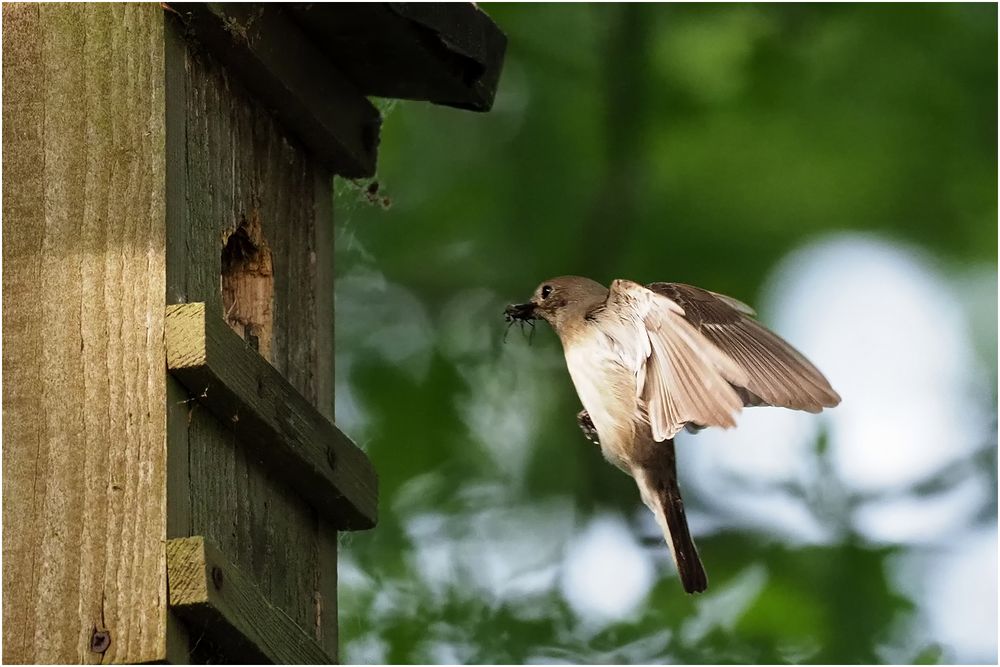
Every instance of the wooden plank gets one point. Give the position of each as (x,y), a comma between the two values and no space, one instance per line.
(217,599)
(324,291)
(446,53)
(239,162)
(290,75)
(178,650)
(178,403)
(326,573)
(262,408)
(83,283)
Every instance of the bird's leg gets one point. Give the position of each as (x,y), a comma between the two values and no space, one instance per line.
(587,426)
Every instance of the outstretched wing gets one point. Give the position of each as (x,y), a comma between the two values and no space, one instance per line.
(776,373)
(681,376)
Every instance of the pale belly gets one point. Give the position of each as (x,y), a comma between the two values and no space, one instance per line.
(608,393)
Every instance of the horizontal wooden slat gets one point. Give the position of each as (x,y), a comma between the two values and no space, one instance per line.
(288,434)
(214,597)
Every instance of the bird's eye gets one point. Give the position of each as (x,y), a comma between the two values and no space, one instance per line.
(546,291)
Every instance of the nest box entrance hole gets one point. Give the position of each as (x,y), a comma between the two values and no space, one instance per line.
(248,283)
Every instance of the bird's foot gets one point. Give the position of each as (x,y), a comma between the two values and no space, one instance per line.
(587,426)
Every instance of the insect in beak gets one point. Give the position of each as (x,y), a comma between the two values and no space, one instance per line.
(520,313)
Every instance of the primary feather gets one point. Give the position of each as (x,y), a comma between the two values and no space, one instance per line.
(776,373)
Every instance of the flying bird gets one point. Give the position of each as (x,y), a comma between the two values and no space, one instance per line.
(648,361)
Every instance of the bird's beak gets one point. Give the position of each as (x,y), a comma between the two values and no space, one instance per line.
(519,312)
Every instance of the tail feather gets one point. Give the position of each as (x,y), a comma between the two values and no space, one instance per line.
(689,566)
(660,492)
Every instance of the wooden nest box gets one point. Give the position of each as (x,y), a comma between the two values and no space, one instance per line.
(173,478)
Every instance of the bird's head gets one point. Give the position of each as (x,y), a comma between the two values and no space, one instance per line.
(558,301)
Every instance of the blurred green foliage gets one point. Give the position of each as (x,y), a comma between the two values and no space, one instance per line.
(696,143)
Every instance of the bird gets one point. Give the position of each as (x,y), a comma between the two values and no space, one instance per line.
(648,361)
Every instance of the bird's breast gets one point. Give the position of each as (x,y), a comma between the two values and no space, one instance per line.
(608,392)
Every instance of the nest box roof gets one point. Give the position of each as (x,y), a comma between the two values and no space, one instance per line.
(313,64)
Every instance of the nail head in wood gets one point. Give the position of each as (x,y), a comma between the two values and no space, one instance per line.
(217,577)
(100,641)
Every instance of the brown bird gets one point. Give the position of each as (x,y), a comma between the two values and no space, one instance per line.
(649,361)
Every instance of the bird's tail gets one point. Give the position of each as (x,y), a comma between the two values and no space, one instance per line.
(658,486)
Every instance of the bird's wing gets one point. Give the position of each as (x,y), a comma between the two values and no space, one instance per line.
(681,376)
(777,374)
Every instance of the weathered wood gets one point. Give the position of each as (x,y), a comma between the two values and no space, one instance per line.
(117,127)
(446,53)
(224,604)
(178,407)
(178,483)
(326,568)
(288,73)
(83,283)
(238,161)
(252,398)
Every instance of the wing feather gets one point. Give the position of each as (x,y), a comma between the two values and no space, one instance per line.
(684,377)
(776,373)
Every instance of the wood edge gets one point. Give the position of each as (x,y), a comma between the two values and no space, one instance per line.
(455,24)
(184,334)
(217,594)
(327,630)
(463,49)
(187,583)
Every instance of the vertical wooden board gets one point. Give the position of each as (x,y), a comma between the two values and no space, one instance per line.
(84,382)
(23,230)
(322,258)
(327,630)
(179,404)
(295,278)
(240,163)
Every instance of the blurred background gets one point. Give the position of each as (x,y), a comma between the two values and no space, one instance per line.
(834,166)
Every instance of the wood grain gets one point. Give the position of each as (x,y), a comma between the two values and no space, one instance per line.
(224,604)
(280,428)
(289,73)
(83,284)
(327,610)
(237,160)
